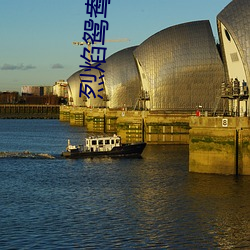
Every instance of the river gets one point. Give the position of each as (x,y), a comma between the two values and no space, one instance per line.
(48,202)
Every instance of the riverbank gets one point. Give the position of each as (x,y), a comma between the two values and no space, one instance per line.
(24,111)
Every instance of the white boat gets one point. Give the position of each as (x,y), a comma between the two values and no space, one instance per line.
(103,146)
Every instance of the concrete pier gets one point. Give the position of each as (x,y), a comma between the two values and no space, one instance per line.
(64,114)
(132,126)
(219,145)
(167,129)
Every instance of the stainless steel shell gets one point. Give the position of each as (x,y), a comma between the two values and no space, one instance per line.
(178,67)
(181,67)
(122,79)
(96,98)
(236,18)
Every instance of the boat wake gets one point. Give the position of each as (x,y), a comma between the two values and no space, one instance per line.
(26,154)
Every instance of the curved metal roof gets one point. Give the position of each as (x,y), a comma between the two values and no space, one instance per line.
(236,18)
(92,78)
(122,80)
(180,67)
(73,89)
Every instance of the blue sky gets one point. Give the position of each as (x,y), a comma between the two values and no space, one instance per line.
(36,35)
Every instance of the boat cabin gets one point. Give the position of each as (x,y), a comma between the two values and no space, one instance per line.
(105,143)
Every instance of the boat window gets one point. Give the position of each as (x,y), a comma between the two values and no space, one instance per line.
(100,142)
(117,141)
(107,142)
(94,142)
(112,141)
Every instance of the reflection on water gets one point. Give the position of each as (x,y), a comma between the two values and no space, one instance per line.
(148,203)
(224,201)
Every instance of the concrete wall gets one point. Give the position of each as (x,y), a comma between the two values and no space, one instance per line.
(219,145)
(216,145)
(64,114)
(244,151)
(132,126)
(167,129)
(20,111)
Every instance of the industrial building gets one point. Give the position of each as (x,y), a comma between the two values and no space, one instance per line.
(178,69)
(88,100)
(40,95)
(60,89)
(9,97)
(73,90)
(234,33)
(122,79)
(37,90)
(121,83)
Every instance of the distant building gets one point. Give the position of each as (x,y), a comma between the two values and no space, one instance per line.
(47,90)
(9,97)
(37,90)
(41,100)
(39,95)
(60,89)
(30,90)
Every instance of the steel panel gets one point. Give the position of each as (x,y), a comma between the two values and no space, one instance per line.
(122,80)
(236,18)
(74,89)
(182,67)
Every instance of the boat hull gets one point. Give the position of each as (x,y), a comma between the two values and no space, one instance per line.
(126,150)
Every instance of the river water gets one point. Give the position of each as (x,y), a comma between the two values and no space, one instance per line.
(149,203)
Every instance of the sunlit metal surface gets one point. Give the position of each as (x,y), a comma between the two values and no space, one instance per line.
(180,67)
(122,80)
(74,89)
(236,18)
(234,33)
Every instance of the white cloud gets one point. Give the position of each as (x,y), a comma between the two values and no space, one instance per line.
(57,66)
(21,66)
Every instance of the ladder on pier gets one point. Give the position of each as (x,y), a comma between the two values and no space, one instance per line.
(217,101)
(142,98)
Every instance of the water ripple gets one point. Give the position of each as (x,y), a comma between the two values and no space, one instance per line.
(148,203)
(26,154)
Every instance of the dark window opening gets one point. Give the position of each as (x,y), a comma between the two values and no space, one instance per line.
(227,35)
